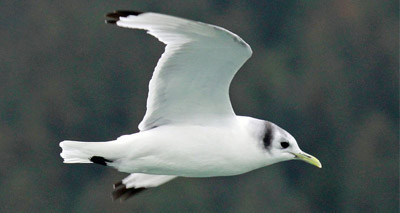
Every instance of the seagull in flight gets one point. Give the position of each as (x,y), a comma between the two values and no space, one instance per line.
(190,128)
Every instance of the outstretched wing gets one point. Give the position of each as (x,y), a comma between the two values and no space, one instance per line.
(191,80)
(136,183)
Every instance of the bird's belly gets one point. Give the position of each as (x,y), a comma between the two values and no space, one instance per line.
(186,166)
(190,153)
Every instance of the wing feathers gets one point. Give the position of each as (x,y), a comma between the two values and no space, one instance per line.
(191,80)
(135,183)
(122,13)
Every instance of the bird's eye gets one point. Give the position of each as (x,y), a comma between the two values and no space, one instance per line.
(285,144)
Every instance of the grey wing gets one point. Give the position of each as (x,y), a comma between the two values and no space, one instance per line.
(191,80)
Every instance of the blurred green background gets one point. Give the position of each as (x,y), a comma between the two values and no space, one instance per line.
(326,71)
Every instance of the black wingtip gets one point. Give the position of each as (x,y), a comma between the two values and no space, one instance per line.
(111,21)
(126,13)
(122,193)
(120,13)
(117,184)
(100,160)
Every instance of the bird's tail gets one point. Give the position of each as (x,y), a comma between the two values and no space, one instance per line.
(90,152)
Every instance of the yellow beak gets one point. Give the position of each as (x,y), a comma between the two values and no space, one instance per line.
(308,158)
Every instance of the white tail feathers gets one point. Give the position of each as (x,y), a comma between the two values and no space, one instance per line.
(82,152)
(72,152)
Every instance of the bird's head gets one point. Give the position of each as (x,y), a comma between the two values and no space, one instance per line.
(281,146)
(275,143)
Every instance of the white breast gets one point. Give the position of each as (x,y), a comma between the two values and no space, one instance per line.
(193,151)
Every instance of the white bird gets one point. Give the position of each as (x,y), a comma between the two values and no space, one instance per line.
(190,128)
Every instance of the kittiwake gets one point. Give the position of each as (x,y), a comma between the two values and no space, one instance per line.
(190,128)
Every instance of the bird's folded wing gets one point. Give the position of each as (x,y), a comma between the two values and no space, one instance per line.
(191,80)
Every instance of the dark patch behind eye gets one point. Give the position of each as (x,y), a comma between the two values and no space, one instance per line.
(268,136)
